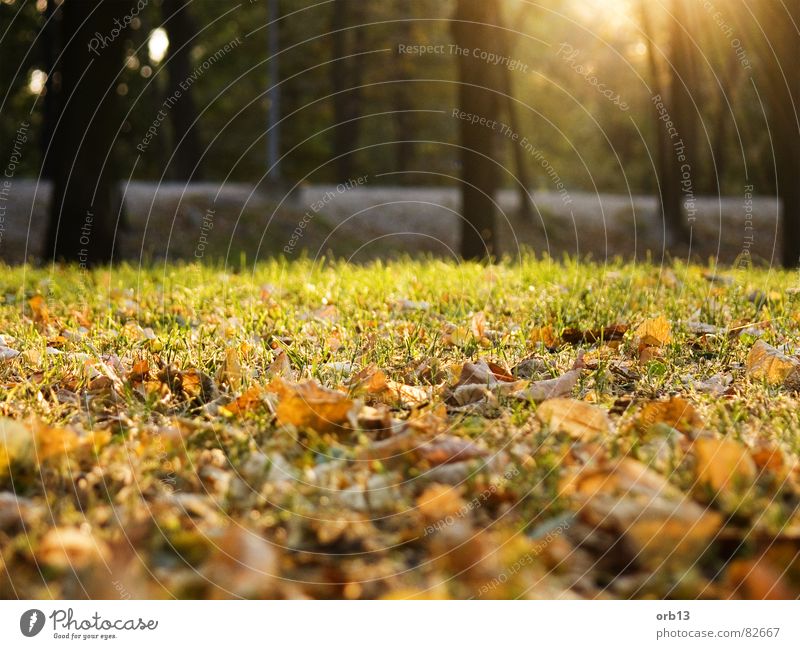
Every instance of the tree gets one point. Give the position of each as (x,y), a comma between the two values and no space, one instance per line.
(182,30)
(85,199)
(520,162)
(780,54)
(346,76)
(667,166)
(473,28)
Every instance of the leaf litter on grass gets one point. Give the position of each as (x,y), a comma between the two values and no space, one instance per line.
(404,429)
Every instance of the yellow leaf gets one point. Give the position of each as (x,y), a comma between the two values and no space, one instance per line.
(654,332)
(440,501)
(545,335)
(677,412)
(309,405)
(69,547)
(765,363)
(231,372)
(723,463)
(576,418)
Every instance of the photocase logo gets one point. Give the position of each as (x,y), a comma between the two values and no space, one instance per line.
(31,622)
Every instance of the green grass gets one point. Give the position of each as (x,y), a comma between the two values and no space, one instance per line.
(172,494)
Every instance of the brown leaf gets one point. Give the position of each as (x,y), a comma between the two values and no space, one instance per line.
(561,386)
(574,336)
(243,565)
(654,332)
(545,335)
(440,501)
(657,521)
(723,463)
(676,412)
(758,579)
(575,418)
(309,405)
(248,401)
(69,547)
(41,315)
(448,448)
(381,388)
(281,367)
(765,363)
(230,372)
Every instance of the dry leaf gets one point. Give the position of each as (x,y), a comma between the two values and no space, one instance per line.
(576,418)
(658,522)
(654,332)
(561,386)
(545,335)
(723,464)
(230,372)
(243,565)
(440,501)
(448,448)
(676,412)
(758,579)
(38,306)
(613,332)
(309,405)
(248,401)
(765,363)
(69,547)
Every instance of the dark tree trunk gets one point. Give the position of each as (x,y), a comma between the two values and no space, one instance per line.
(49,41)
(478,96)
(726,97)
(667,167)
(785,108)
(182,30)
(683,86)
(778,52)
(346,75)
(520,162)
(403,102)
(85,203)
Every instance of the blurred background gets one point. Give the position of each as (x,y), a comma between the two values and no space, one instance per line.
(220,130)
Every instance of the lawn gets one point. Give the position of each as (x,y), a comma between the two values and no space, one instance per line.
(318,429)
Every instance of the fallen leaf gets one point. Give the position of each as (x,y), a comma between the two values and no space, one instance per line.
(575,418)
(309,405)
(440,501)
(758,579)
(658,523)
(544,335)
(250,400)
(723,463)
(654,332)
(70,547)
(448,448)
(765,363)
(41,315)
(613,332)
(561,386)
(243,565)
(675,412)
(230,372)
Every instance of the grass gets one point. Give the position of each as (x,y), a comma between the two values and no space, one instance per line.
(156,442)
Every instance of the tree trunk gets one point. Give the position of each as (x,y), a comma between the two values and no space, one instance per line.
(785,107)
(668,178)
(85,202)
(403,102)
(49,43)
(472,28)
(346,75)
(182,30)
(520,162)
